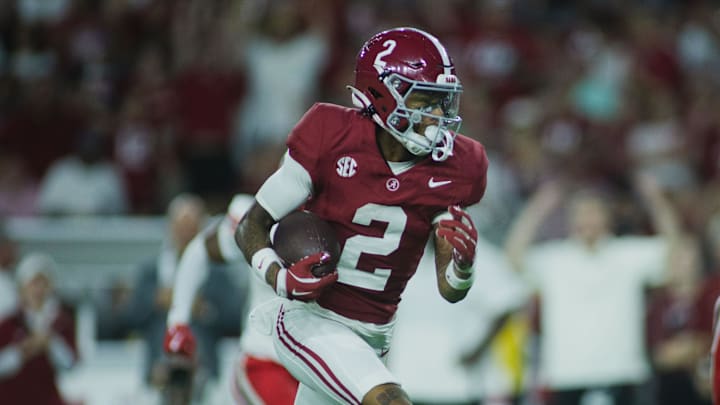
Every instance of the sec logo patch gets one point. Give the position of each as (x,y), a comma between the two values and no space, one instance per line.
(346,166)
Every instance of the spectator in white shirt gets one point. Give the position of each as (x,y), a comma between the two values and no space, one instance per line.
(84,183)
(441,376)
(591,286)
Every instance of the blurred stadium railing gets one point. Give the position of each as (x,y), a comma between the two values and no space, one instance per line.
(90,251)
(91,254)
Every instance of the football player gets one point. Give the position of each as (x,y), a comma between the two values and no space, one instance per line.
(388,175)
(259,378)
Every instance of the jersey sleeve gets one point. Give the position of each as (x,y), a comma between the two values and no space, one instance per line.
(306,140)
(479,168)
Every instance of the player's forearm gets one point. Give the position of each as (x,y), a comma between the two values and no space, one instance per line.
(253,231)
(443,264)
(192,272)
(253,234)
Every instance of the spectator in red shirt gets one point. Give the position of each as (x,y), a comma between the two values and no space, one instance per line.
(680,318)
(37,340)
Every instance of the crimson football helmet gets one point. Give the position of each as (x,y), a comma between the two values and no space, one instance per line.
(392,65)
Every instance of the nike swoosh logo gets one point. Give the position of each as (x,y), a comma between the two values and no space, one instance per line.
(300,293)
(432,183)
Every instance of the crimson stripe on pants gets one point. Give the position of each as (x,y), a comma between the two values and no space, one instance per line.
(283,334)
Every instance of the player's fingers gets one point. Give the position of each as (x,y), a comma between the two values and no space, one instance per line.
(460,215)
(467,230)
(458,239)
(442,232)
(445,233)
(330,277)
(462,246)
(455,211)
(458,226)
(314,259)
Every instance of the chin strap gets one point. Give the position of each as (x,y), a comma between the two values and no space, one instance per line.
(444,148)
(361,101)
(358,98)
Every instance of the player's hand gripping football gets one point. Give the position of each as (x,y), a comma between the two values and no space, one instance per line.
(460,232)
(298,282)
(179,340)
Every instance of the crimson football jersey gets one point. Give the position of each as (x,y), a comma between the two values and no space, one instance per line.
(382,220)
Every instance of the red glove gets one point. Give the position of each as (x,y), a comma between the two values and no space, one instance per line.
(179,339)
(460,232)
(298,282)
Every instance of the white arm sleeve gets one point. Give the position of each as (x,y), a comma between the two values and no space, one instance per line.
(10,361)
(8,295)
(288,188)
(226,230)
(61,354)
(191,274)
(226,239)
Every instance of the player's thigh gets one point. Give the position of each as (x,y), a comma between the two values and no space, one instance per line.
(327,356)
(263,382)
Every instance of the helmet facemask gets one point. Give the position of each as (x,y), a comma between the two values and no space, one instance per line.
(437,138)
(392,69)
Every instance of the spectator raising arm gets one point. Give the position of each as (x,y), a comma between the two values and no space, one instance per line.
(663,216)
(523,231)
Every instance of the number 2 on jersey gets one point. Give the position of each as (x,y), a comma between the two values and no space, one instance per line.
(383,245)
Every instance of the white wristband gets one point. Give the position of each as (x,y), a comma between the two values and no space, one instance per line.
(262,259)
(281,283)
(456,282)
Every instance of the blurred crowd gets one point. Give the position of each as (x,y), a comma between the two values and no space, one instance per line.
(130,102)
(117,106)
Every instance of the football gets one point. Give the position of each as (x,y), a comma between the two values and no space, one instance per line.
(302,233)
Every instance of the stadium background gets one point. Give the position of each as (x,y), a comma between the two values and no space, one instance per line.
(185,96)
